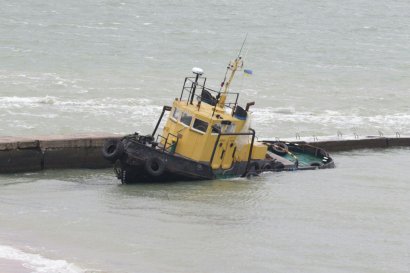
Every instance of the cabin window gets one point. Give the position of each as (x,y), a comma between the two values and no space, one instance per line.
(200,125)
(186,118)
(176,115)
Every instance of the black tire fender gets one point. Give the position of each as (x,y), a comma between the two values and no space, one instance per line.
(155,166)
(252,170)
(251,174)
(279,148)
(279,166)
(113,149)
(253,167)
(267,167)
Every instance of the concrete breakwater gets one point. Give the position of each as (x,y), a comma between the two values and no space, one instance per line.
(23,154)
(340,145)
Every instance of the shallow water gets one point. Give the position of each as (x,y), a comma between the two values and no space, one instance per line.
(319,68)
(350,219)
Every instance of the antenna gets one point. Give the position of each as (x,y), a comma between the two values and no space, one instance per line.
(240,51)
(233,67)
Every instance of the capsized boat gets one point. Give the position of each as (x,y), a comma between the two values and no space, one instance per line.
(207,135)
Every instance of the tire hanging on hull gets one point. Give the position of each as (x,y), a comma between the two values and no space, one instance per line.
(112,150)
(155,166)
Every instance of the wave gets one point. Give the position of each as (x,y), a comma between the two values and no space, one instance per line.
(15,101)
(38,263)
(142,112)
(266,120)
(263,115)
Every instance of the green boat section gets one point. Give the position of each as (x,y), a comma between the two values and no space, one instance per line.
(305,159)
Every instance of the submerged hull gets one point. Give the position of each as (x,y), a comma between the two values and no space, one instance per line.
(138,158)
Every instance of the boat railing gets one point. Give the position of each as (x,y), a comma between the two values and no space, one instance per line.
(191,86)
(171,145)
(165,108)
(250,133)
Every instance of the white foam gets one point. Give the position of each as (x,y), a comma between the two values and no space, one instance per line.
(38,263)
(25,101)
(14,101)
(268,114)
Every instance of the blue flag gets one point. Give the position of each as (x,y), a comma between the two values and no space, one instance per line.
(248,71)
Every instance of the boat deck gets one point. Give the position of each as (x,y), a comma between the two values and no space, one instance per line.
(287,163)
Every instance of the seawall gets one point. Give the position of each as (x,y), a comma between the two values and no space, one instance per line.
(340,145)
(23,154)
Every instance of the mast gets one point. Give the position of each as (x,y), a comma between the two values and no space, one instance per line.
(233,67)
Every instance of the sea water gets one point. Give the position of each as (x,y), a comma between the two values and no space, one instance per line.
(350,219)
(319,68)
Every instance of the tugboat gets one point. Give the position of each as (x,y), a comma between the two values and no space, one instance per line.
(207,135)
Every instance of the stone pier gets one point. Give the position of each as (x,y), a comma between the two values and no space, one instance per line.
(24,154)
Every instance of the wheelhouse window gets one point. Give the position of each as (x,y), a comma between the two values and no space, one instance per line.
(186,118)
(200,125)
(176,115)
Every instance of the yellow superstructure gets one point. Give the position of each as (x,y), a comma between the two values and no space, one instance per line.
(207,132)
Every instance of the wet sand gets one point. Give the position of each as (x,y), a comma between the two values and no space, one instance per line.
(12,266)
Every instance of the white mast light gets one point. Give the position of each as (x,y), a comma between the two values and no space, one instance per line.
(197,70)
